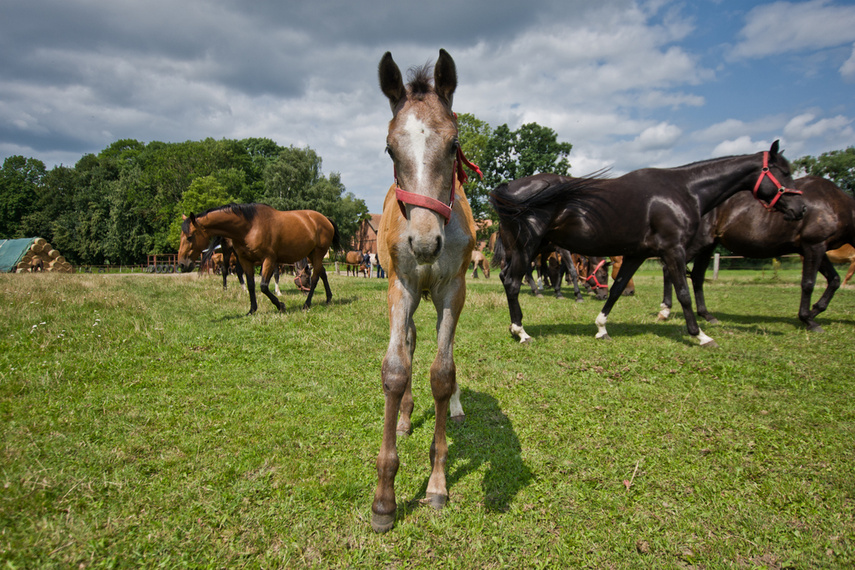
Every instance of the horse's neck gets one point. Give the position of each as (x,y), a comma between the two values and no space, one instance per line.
(716,181)
(225,224)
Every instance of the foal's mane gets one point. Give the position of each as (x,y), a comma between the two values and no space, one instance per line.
(420,80)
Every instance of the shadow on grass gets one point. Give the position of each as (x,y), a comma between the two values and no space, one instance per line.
(268,306)
(487,437)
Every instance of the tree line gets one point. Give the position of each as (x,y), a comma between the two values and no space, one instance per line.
(127,201)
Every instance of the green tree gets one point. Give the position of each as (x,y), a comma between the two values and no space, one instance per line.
(837,166)
(475,136)
(20,179)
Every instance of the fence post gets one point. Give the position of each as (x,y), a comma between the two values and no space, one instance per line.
(716,260)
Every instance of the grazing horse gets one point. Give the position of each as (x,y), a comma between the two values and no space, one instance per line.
(425,242)
(645,213)
(479,261)
(355,261)
(845,254)
(191,250)
(746,229)
(263,235)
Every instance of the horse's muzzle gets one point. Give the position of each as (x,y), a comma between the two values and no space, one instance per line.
(792,215)
(187,267)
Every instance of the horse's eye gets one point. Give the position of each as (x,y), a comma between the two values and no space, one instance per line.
(389,152)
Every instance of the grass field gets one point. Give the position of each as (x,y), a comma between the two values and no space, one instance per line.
(146,422)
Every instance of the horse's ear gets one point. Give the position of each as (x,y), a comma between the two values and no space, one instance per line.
(391,82)
(183,217)
(773,152)
(445,77)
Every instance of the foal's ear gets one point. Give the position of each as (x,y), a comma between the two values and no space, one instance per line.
(773,152)
(445,77)
(391,82)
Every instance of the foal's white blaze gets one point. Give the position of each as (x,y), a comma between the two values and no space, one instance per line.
(601,325)
(418,133)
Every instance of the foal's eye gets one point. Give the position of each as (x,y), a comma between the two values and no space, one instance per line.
(389,152)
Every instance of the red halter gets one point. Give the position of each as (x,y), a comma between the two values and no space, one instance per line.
(422,201)
(781,189)
(593,277)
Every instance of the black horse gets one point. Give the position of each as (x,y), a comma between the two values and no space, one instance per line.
(744,228)
(646,213)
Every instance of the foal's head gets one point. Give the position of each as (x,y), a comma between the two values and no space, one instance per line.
(422,142)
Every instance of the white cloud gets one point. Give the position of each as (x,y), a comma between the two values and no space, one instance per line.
(807,126)
(847,70)
(781,27)
(741,145)
(660,136)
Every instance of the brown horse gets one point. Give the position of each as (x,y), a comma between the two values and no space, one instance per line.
(845,254)
(263,235)
(425,243)
(355,261)
(745,228)
(479,261)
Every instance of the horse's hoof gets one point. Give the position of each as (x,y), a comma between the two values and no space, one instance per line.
(580,300)
(459,419)
(559,296)
(382,523)
(712,320)
(710,344)
(604,337)
(816,329)
(525,340)
(435,500)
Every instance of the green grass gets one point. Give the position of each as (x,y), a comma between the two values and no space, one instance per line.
(146,422)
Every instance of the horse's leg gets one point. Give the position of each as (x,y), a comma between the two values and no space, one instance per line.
(318,272)
(628,268)
(396,374)
(811,265)
(574,279)
(850,273)
(276,280)
(699,272)
(675,264)
(323,274)
(267,269)
(443,383)
(249,271)
(667,299)
(511,277)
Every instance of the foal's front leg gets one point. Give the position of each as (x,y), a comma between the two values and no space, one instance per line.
(396,374)
(443,383)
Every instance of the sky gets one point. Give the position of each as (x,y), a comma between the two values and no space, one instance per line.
(629,83)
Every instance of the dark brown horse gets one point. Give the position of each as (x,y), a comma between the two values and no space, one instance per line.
(263,235)
(747,229)
(646,213)
(425,242)
(191,250)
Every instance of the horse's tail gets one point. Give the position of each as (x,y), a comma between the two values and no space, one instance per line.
(336,240)
(498,252)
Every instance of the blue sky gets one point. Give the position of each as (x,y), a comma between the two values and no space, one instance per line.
(629,83)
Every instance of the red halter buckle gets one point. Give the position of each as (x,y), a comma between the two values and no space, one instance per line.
(781,189)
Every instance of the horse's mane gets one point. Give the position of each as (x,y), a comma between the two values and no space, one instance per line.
(420,80)
(246,211)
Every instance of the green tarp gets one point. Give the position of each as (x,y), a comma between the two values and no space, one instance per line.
(11,252)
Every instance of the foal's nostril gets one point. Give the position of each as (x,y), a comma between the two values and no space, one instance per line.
(438,245)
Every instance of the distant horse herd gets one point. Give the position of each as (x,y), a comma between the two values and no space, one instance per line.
(565,228)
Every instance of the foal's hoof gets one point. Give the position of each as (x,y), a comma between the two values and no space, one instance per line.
(435,500)
(604,337)
(382,523)
(459,420)
(710,344)
(816,328)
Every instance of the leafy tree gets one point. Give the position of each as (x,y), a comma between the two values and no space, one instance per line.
(19,183)
(475,136)
(837,166)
